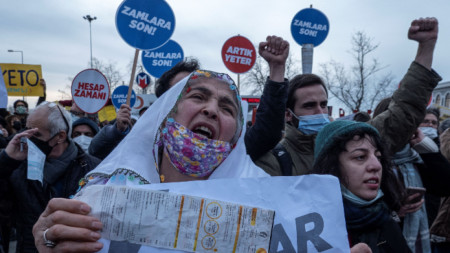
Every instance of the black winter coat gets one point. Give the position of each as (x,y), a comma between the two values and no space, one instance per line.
(30,197)
(386,238)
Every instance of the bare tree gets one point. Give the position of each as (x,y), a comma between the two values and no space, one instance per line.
(110,70)
(112,74)
(256,77)
(65,94)
(361,87)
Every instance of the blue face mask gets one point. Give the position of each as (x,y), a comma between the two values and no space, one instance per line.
(311,124)
(429,132)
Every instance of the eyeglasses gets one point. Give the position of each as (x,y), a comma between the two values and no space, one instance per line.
(432,122)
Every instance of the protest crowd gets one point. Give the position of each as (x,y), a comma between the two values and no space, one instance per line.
(197,130)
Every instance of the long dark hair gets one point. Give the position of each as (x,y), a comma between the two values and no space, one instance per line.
(328,163)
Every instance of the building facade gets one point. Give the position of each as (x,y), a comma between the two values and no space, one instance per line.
(441,99)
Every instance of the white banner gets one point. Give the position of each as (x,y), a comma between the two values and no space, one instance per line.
(309,214)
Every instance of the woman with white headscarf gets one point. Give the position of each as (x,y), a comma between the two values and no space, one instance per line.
(193,132)
(185,136)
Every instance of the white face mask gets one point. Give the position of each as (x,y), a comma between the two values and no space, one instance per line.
(84,142)
(429,132)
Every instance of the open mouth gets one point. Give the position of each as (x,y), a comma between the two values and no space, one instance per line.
(371,181)
(203,131)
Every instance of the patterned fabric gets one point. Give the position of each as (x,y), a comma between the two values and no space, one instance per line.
(192,154)
(415,225)
(136,159)
(119,177)
(223,78)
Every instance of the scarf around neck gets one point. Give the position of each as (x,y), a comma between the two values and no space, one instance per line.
(362,214)
(415,225)
(406,155)
(54,168)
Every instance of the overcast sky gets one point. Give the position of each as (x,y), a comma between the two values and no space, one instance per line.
(54,34)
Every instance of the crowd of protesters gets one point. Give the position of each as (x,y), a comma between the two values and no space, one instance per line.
(383,162)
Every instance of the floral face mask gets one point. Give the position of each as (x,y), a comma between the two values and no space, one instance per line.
(190,153)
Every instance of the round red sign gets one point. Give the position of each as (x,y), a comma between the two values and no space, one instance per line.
(238,54)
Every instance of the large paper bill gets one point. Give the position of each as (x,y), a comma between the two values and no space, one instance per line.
(177,221)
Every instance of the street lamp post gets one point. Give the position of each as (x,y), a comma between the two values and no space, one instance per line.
(90,19)
(21,54)
(16,51)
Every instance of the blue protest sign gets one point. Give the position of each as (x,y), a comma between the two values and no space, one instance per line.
(310,26)
(119,96)
(143,80)
(158,61)
(145,24)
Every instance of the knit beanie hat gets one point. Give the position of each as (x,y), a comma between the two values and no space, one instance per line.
(86,121)
(327,136)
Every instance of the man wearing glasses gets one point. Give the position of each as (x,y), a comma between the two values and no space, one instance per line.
(49,128)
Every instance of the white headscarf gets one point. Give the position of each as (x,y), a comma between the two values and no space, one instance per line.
(134,155)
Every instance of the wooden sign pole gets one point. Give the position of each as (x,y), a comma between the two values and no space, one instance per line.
(133,71)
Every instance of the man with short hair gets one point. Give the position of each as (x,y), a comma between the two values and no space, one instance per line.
(306,109)
(175,74)
(49,128)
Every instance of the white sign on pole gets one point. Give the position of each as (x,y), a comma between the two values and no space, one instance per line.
(90,90)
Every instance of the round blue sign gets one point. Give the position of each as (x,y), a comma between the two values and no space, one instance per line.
(158,61)
(119,96)
(145,24)
(310,26)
